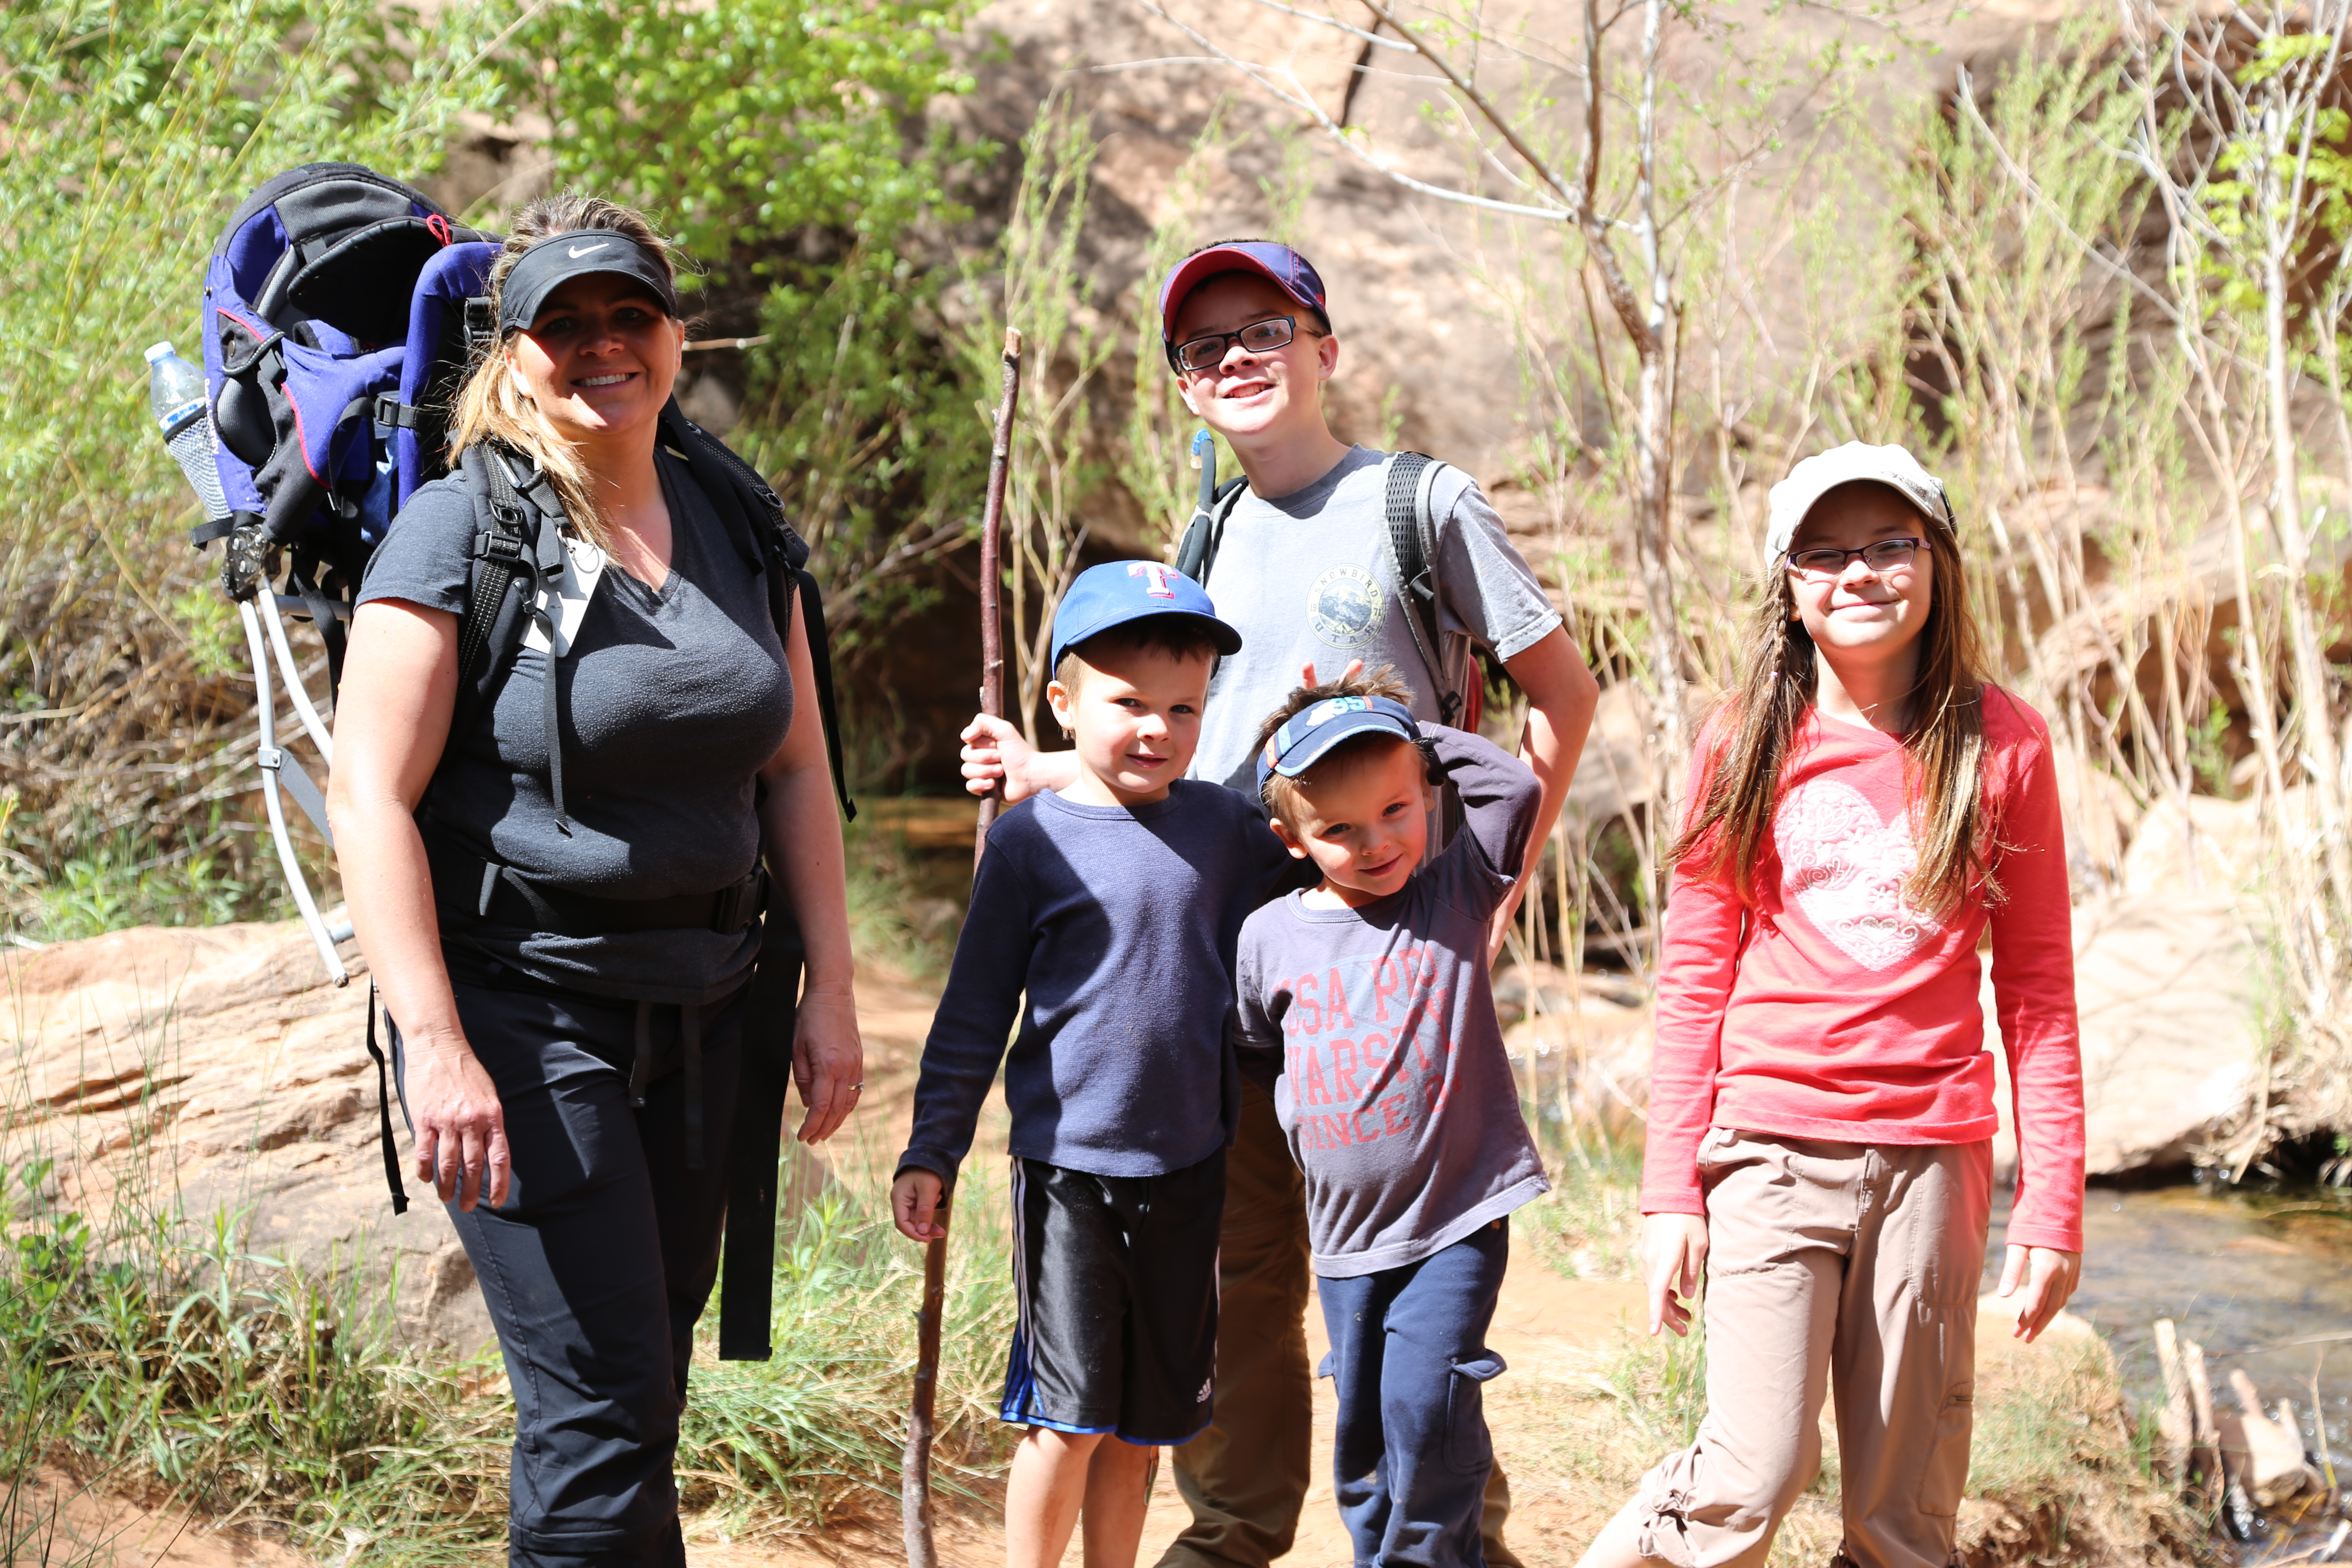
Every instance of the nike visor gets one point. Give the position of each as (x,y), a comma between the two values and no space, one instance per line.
(563,257)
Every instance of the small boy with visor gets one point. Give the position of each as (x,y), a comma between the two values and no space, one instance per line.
(1396,1097)
(1114,903)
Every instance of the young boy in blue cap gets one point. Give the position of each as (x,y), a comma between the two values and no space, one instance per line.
(1373,991)
(1114,902)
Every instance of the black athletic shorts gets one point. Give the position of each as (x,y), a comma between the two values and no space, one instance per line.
(1116,1285)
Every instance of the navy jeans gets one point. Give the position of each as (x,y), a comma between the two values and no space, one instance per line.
(1410,1360)
(601,1261)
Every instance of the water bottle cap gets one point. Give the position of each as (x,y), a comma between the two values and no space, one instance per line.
(159,351)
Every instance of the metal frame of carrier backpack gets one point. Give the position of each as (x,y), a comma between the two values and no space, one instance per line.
(1409,480)
(335,310)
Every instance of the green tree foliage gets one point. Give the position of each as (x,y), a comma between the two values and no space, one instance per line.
(747,121)
(867,431)
(778,142)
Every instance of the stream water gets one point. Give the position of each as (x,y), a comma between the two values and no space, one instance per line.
(2262,1279)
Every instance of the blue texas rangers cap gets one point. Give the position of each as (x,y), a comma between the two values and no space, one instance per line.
(1118,591)
(1307,735)
(1276,262)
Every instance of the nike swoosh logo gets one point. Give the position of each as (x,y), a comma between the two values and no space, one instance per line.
(577,251)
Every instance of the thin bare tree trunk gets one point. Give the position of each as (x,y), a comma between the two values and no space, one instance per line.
(2314,725)
(1653,441)
(915,1464)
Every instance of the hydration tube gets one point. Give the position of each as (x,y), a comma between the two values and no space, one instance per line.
(1204,458)
(272,759)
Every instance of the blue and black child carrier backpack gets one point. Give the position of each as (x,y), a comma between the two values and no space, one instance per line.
(343,312)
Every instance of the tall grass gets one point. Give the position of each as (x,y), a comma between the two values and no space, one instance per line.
(147,1353)
(1989,285)
(814,1436)
(153,1353)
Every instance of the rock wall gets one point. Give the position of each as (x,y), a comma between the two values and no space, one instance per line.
(217,1069)
(211,1070)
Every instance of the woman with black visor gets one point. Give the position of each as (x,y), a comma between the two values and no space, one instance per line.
(564,934)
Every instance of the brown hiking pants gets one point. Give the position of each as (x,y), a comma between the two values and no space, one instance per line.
(1245,1477)
(1847,1264)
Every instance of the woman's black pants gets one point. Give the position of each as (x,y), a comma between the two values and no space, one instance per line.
(602,1256)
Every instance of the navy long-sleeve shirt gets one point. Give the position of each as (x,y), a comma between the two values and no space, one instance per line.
(1119,924)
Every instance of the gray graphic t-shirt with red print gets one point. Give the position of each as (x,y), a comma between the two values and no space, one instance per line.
(1395,1093)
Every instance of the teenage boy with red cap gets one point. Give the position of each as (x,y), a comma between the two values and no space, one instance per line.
(1305,571)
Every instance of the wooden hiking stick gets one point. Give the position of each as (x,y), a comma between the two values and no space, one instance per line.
(915,1469)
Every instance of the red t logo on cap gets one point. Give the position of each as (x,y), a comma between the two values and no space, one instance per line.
(1159,575)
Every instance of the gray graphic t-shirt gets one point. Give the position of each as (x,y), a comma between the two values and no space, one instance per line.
(1395,1093)
(1307,576)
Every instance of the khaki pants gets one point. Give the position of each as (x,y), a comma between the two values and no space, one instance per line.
(1857,1265)
(1245,1477)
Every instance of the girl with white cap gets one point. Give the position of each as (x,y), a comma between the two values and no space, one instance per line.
(1864,809)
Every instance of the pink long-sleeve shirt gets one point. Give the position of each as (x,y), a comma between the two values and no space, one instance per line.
(1833,1008)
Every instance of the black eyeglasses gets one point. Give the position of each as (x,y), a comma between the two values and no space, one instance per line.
(1259,337)
(1885,555)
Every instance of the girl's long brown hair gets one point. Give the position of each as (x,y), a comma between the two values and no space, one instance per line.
(1730,822)
(491,407)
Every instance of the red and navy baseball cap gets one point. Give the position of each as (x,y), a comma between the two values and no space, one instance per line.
(1118,591)
(1276,262)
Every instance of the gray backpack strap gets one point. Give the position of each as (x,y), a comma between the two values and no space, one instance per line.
(1413,554)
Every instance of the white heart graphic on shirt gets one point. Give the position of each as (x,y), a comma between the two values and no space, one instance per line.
(1846,870)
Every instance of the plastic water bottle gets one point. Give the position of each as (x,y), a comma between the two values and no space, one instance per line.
(175,390)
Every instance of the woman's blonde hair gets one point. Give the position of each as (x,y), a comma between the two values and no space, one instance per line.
(491,407)
(1944,750)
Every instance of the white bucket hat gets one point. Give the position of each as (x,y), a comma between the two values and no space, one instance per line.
(1817,475)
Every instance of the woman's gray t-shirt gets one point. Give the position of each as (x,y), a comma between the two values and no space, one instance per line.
(672,702)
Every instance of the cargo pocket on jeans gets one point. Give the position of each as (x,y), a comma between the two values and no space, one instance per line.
(1469,1448)
(1946,1475)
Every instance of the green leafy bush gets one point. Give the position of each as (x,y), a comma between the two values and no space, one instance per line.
(778,142)
(784,159)
(747,121)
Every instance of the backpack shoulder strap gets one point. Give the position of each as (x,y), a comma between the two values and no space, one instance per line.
(1198,553)
(1412,552)
(515,538)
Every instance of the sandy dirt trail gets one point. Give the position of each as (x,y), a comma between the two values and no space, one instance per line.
(1543,1324)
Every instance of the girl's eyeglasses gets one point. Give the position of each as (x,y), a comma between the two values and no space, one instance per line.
(1259,337)
(1822,565)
